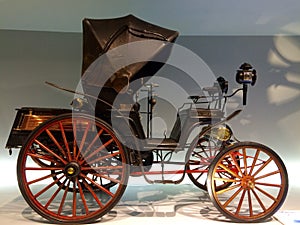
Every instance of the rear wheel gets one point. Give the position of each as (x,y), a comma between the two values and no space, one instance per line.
(72,169)
(201,153)
(259,182)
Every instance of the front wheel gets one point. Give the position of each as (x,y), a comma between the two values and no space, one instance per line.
(259,182)
(72,169)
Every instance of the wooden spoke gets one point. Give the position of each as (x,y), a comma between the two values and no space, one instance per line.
(269,185)
(266,194)
(93,194)
(55,142)
(63,199)
(250,203)
(259,201)
(254,162)
(65,140)
(44,178)
(228,189)
(229,170)
(240,202)
(200,175)
(82,197)
(232,197)
(262,167)
(267,175)
(43,157)
(87,150)
(44,168)
(50,151)
(75,139)
(74,200)
(55,193)
(47,187)
(105,145)
(99,159)
(106,177)
(83,140)
(236,164)
(225,179)
(98,186)
(245,161)
(102,168)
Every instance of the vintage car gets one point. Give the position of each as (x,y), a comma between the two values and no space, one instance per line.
(74,164)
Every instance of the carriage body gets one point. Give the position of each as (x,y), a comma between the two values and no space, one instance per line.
(74,163)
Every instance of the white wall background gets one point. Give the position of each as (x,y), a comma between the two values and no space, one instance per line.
(188,17)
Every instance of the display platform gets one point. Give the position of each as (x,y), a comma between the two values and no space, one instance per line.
(146,204)
(142,203)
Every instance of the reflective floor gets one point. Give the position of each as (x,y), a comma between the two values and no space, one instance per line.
(149,204)
(142,203)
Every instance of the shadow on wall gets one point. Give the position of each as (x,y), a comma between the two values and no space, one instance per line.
(272,114)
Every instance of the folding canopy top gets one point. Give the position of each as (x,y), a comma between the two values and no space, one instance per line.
(102,35)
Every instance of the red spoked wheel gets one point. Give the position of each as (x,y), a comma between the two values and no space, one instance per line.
(72,169)
(201,153)
(259,182)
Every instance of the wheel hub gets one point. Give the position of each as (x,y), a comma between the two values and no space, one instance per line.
(248,182)
(72,169)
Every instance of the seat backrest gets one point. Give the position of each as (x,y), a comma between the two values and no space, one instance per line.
(136,124)
(180,122)
(186,118)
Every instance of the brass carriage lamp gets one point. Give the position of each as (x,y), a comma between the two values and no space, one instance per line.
(246,75)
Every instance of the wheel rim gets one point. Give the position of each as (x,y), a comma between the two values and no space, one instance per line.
(73,168)
(259,182)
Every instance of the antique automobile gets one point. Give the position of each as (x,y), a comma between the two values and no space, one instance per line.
(74,164)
